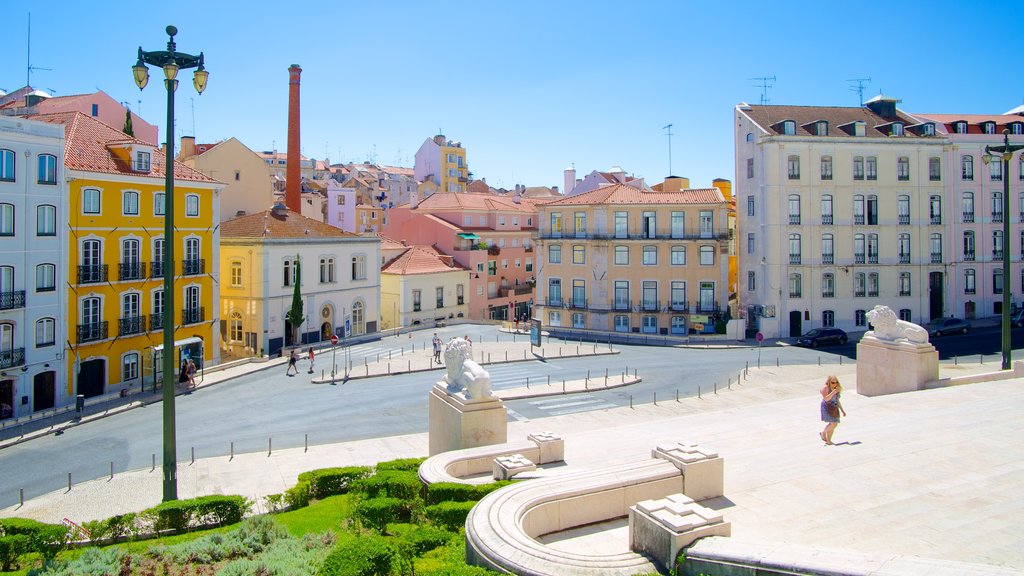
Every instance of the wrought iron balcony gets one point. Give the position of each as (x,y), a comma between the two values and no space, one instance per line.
(904,258)
(858,259)
(968,217)
(904,219)
(678,307)
(794,258)
(969,256)
(576,303)
(621,305)
(826,219)
(92,331)
(873,259)
(156,269)
(11,358)
(193,267)
(936,257)
(131,270)
(707,307)
(936,220)
(828,258)
(794,219)
(997,217)
(997,254)
(828,293)
(131,325)
(859,293)
(796,294)
(193,315)
(156,322)
(649,306)
(858,219)
(12,300)
(92,274)
(904,292)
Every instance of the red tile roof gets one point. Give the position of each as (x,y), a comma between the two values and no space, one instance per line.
(768,117)
(86,149)
(421,260)
(267,224)
(625,194)
(483,202)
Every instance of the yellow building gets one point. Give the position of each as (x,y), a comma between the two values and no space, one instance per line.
(444,162)
(726,188)
(115,257)
(422,287)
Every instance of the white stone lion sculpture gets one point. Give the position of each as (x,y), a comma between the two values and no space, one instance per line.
(889,327)
(465,375)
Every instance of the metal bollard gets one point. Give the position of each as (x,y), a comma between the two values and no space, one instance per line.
(819,360)
(154,463)
(759,362)
(631,401)
(776,361)
(549,379)
(193,456)
(729,384)
(954,360)
(409,368)
(527,382)
(563,386)
(524,354)
(698,392)
(655,398)
(577,350)
(389,368)
(716,387)
(69,481)
(21,497)
(588,374)
(506,355)
(232,457)
(840,360)
(270,446)
(111,470)
(677,394)
(634,373)
(305,443)
(981,359)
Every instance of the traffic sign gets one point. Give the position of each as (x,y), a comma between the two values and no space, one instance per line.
(334,339)
(759,337)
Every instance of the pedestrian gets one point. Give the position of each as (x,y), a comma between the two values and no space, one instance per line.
(437,348)
(310,359)
(830,408)
(183,373)
(466,338)
(191,373)
(293,363)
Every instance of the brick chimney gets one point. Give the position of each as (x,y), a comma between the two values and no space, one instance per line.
(293,174)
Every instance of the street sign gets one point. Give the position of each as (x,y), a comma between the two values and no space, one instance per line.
(334,339)
(759,337)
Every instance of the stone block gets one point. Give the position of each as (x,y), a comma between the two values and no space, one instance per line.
(506,467)
(885,367)
(661,528)
(703,469)
(454,423)
(551,446)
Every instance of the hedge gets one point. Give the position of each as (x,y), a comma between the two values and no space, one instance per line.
(363,555)
(326,482)
(11,548)
(449,515)
(402,464)
(45,539)
(377,512)
(181,515)
(453,492)
(393,483)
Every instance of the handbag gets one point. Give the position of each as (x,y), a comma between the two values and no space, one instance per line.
(832,409)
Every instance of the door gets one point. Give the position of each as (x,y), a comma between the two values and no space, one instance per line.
(43,391)
(6,399)
(935,302)
(92,377)
(795,324)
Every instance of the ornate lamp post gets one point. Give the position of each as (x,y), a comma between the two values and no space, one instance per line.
(1004,152)
(171,61)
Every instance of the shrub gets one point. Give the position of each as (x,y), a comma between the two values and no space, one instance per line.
(363,555)
(376,512)
(403,464)
(11,548)
(394,483)
(180,515)
(93,562)
(273,502)
(448,560)
(422,539)
(449,515)
(45,539)
(326,482)
(297,496)
(454,492)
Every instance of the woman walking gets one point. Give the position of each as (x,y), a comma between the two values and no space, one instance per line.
(830,408)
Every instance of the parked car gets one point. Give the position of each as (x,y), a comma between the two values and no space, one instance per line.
(822,337)
(1017,318)
(951,325)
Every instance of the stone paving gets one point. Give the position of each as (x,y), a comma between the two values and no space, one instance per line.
(930,473)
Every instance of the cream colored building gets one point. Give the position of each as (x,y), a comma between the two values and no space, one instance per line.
(248,188)
(839,209)
(625,259)
(421,287)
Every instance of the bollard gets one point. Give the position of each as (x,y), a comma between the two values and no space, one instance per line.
(527,382)
(111,470)
(305,443)
(232,457)
(524,354)
(677,394)
(322,373)
(154,463)
(577,350)
(954,360)
(634,373)
(559,351)
(193,456)
(698,392)
(389,368)
(981,359)
(389,354)
(623,377)
(409,368)
(776,361)
(21,497)
(270,446)
(840,360)
(563,386)
(746,365)
(729,384)
(738,374)
(69,481)
(655,398)
(759,362)
(819,360)
(549,379)
(716,387)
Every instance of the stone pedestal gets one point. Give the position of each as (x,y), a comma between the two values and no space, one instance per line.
(661,528)
(550,445)
(455,423)
(888,367)
(703,470)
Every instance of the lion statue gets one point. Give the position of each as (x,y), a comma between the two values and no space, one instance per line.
(889,327)
(463,373)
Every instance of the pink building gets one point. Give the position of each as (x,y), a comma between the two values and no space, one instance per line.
(99,105)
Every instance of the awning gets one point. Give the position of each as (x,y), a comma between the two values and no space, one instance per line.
(468,236)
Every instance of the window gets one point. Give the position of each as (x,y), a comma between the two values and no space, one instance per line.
(158,203)
(460,294)
(238,175)
(828,285)
(997,281)
(789,127)
(621,225)
(192,205)
(554,254)
(997,206)
(439,297)
(859,318)
(6,219)
(288,273)
(579,254)
(649,223)
(794,209)
(751,242)
(621,323)
(989,127)
(903,168)
(858,209)
(967,167)
(46,220)
(622,255)
(750,167)
(707,297)
(795,285)
(903,209)
(969,246)
(871,167)
(554,292)
(130,203)
(826,210)
(858,167)
(649,293)
(678,295)
(859,249)
(142,161)
(859,285)
(556,224)
(872,210)
(794,249)
(504,263)
(707,224)
(518,263)
(828,318)
(821,128)
(130,366)
(515,221)
(750,206)
(935,209)
(580,224)
(678,224)
(678,256)
(6,165)
(579,294)
(793,167)
(236,274)
(707,255)
(904,283)
(46,278)
(359,267)
(751,281)
(995,170)
(91,315)
(873,285)
(935,242)
(872,248)
(528,265)
(45,332)
(934,169)
(826,167)
(157,266)
(828,254)
(904,248)
(501,220)
(967,207)
(327,271)
(235,327)
(130,306)
(997,244)
(47,169)
(650,255)
(897,129)
(969,287)
(90,201)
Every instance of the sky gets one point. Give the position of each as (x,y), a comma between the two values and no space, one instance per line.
(529,87)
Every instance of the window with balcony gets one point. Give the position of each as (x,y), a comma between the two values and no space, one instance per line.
(935,209)
(706,302)
(859,285)
(580,224)
(935,243)
(91,270)
(47,169)
(92,327)
(872,248)
(969,246)
(793,167)
(554,292)
(579,294)
(9,297)
(997,281)
(827,249)
(795,285)
(794,209)
(871,167)
(649,225)
(859,249)
(995,171)
(650,255)
(969,286)
(131,321)
(579,254)
(967,167)
(677,297)
(903,168)
(903,209)
(556,224)
(997,244)
(46,220)
(678,254)
(826,167)
(193,264)
(621,225)
(904,248)
(794,249)
(858,209)
(967,207)
(621,296)
(130,267)
(826,209)
(934,169)
(872,209)
(872,284)
(858,167)
(678,224)
(751,281)
(904,283)
(997,207)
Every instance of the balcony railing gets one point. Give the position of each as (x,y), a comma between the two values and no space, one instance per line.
(827,258)
(796,294)
(936,257)
(904,219)
(131,270)
(968,217)
(997,254)
(969,291)
(859,293)
(826,219)
(514,290)
(794,219)
(873,259)
(92,274)
(904,292)
(936,220)
(858,219)
(648,306)
(678,307)
(193,315)
(828,293)
(131,325)
(707,307)
(794,258)
(872,293)
(92,331)
(11,358)
(997,217)
(576,303)
(156,269)
(193,267)
(858,259)
(904,258)
(706,235)
(12,300)
(156,322)
(969,256)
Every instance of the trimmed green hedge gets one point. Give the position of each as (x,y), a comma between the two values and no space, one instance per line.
(393,483)
(453,492)
(362,555)
(402,464)
(181,515)
(326,482)
(449,515)
(418,538)
(45,539)
(377,512)
(11,548)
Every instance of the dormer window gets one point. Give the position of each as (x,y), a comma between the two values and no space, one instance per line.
(856,128)
(142,161)
(1016,128)
(988,127)
(789,128)
(821,128)
(896,129)
(928,129)
(960,127)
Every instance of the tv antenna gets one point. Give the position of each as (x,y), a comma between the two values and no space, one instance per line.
(669,134)
(193,103)
(28,55)
(764,83)
(859,88)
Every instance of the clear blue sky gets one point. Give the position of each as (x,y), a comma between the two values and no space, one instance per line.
(528,87)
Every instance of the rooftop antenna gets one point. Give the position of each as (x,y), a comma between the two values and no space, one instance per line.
(765,82)
(669,134)
(193,103)
(28,55)
(859,88)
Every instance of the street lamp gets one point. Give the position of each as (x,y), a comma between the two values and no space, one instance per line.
(171,62)
(1005,152)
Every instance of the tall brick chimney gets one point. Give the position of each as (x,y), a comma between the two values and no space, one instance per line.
(293,175)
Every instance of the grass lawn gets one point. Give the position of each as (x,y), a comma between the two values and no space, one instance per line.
(320,516)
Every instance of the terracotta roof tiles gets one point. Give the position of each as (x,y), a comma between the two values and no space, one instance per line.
(483,202)
(421,260)
(768,117)
(625,194)
(268,224)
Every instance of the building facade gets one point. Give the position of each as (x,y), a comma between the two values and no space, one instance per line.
(33,208)
(625,259)
(443,162)
(246,177)
(421,287)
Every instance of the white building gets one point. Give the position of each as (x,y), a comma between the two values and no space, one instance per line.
(33,261)
(340,207)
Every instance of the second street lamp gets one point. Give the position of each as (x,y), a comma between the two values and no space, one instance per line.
(1005,153)
(171,62)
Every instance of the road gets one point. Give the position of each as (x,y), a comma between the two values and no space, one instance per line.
(268,410)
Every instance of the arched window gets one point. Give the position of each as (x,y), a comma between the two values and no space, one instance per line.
(91,269)
(45,332)
(130,267)
(969,246)
(794,209)
(358,321)
(935,242)
(859,249)
(47,169)
(6,219)
(828,318)
(46,277)
(828,285)
(6,165)
(794,249)
(130,203)
(46,220)
(235,327)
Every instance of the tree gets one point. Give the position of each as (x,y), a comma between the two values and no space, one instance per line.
(128,123)
(296,315)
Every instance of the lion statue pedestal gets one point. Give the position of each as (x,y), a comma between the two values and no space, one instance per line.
(462,411)
(894,357)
